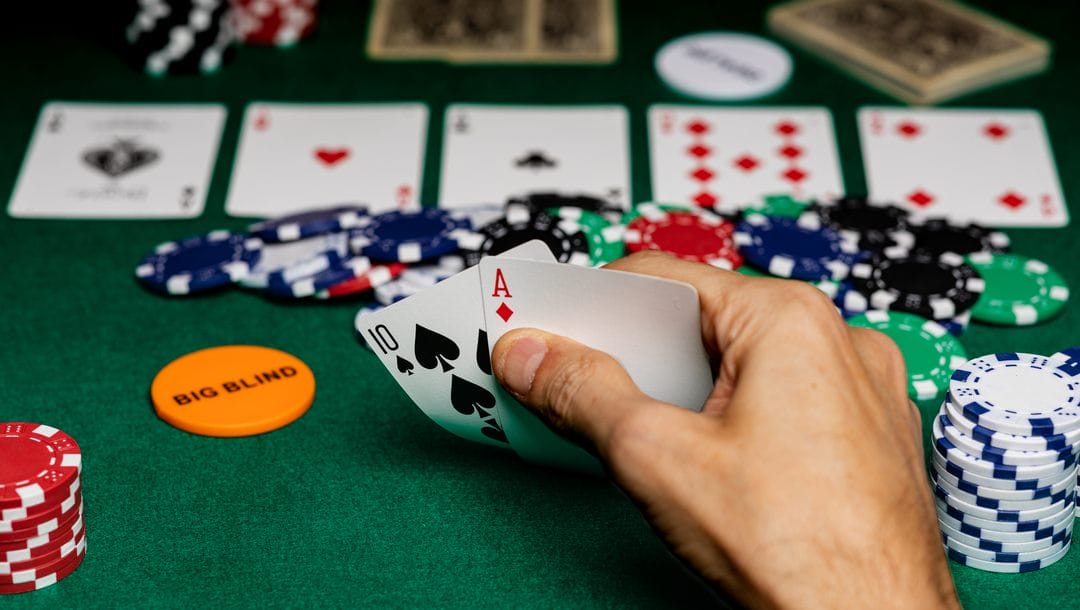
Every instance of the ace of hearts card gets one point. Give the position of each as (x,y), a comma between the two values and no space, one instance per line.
(293,157)
(101,160)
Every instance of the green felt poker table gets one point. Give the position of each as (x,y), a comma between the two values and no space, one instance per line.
(364,501)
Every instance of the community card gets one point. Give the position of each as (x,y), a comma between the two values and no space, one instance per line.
(730,157)
(491,153)
(435,345)
(94,160)
(993,167)
(293,157)
(612,311)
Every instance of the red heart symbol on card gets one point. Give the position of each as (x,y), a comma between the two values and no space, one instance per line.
(331,156)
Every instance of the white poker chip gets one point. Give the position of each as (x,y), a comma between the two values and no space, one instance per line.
(723,66)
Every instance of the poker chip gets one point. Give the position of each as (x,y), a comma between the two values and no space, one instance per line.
(963,483)
(281,23)
(375,276)
(959,467)
(996,507)
(1019,291)
(1008,567)
(309,223)
(41,533)
(233,390)
(973,464)
(394,291)
(181,36)
(935,287)
(778,206)
(1000,557)
(605,238)
(877,226)
(543,201)
(411,236)
(723,66)
(426,276)
(1018,393)
(40,578)
(1051,522)
(796,248)
(697,235)
(995,546)
(997,455)
(948,523)
(1005,440)
(310,277)
(565,239)
(199,263)
(930,352)
(936,236)
(280,256)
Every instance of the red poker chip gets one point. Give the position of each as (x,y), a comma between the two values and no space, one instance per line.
(274,22)
(47,577)
(39,466)
(692,236)
(41,545)
(376,276)
(44,564)
(32,527)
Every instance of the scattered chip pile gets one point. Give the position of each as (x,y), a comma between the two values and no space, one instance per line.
(42,539)
(1005,460)
(180,36)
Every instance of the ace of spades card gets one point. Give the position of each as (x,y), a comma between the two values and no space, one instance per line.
(293,157)
(94,160)
(435,346)
(491,153)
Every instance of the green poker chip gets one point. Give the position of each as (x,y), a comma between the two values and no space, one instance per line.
(1019,291)
(750,271)
(930,352)
(782,206)
(605,238)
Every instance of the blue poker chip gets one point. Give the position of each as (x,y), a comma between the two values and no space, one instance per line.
(306,278)
(966,483)
(997,504)
(976,465)
(800,248)
(1007,567)
(946,520)
(200,262)
(1032,485)
(411,236)
(998,455)
(997,546)
(309,223)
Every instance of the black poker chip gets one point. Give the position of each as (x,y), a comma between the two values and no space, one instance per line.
(938,236)
(878,225)
(934,287)
(566,239)
(180,36)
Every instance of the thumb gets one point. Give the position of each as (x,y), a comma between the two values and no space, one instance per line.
(580,392)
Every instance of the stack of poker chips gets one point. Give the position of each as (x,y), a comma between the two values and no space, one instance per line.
(180,36)
(1005,460)
(281,23)
(42,539)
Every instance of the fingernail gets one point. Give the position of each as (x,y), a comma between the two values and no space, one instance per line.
(520,363)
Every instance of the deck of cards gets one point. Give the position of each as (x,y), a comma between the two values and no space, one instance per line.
(437,344)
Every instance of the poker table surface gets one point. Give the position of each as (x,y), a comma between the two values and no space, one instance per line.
(364,501)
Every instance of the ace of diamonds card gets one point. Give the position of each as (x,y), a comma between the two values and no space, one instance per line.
(293,157)
(993,167)
(96,160)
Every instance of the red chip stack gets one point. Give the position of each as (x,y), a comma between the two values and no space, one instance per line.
(281,23)
(42,539)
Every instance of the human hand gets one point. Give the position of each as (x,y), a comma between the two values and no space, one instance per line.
(800,483)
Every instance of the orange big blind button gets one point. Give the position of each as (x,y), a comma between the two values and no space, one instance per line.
(233,390)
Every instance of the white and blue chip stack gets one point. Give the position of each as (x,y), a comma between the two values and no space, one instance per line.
(1005,460)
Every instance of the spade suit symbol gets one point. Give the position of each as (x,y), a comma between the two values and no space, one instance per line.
(536,159)
(122,157)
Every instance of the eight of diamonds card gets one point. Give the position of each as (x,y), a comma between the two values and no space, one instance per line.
(491,153)
(993,167)
(730,157)
(297,156)
(93,160)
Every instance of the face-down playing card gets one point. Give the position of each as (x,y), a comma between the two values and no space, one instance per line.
(435,345)
(652,326)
